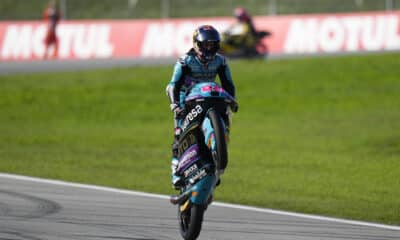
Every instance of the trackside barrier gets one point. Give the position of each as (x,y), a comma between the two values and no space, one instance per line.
(291,35)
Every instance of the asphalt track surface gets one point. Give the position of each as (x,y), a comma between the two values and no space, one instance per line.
(25,67)
(33,209)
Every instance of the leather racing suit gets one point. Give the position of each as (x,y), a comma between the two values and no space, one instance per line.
(187,71)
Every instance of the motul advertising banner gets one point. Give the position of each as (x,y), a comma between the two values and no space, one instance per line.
(344,33)
(291,35)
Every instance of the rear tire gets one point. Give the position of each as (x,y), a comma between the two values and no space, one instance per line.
(190,221)
(222,152)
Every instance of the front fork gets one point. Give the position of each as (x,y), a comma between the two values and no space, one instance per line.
(210,141)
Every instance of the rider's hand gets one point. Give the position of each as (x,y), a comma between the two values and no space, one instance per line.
(176,109)
(235,107)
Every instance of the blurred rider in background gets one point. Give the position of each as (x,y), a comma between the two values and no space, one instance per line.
(52,16)
(242,38)
(201,63)
(245,21)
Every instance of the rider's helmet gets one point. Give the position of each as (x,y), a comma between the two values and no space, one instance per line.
(206,42)
(241,14)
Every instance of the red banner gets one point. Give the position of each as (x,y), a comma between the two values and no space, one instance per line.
(295,34)
(340,33)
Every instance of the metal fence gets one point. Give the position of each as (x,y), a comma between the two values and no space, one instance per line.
(138,9)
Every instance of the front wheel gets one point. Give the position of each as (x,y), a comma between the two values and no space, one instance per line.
(220,142)
(190,221)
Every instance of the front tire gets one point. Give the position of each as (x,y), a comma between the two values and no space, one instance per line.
(219,133)
(190,221)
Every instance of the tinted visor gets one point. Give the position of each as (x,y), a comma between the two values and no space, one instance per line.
(209,46)
(208,35)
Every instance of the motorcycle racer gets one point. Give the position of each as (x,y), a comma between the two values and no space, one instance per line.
(242,39)
(201,63)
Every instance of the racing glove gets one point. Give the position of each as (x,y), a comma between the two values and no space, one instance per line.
(176,109)
(234,107)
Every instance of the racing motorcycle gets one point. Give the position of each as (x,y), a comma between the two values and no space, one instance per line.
(235,44)
(202,152)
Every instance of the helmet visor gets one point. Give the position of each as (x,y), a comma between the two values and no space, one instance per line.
(210,47)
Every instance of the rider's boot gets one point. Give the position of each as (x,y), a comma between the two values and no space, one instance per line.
(177,180)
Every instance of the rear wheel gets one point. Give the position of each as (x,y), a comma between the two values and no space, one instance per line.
(219,133)
(190,221)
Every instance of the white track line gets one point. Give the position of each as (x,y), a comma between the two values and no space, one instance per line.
(235,206)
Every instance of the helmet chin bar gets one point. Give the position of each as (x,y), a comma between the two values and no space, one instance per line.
(205,58)
(204,54)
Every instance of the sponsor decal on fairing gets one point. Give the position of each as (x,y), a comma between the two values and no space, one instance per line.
(190,170)
(191,116)
(190,156)
(200,174)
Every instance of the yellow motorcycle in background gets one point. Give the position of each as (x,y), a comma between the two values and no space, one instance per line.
(239,41)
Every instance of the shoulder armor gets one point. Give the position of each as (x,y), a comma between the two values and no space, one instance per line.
(182,60)
(186,59)
(221,58)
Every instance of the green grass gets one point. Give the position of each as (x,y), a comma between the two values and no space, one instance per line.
(316,136)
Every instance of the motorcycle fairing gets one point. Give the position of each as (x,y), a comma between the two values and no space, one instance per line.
(200,192)
(193,154)
(203,189)
(206,90)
